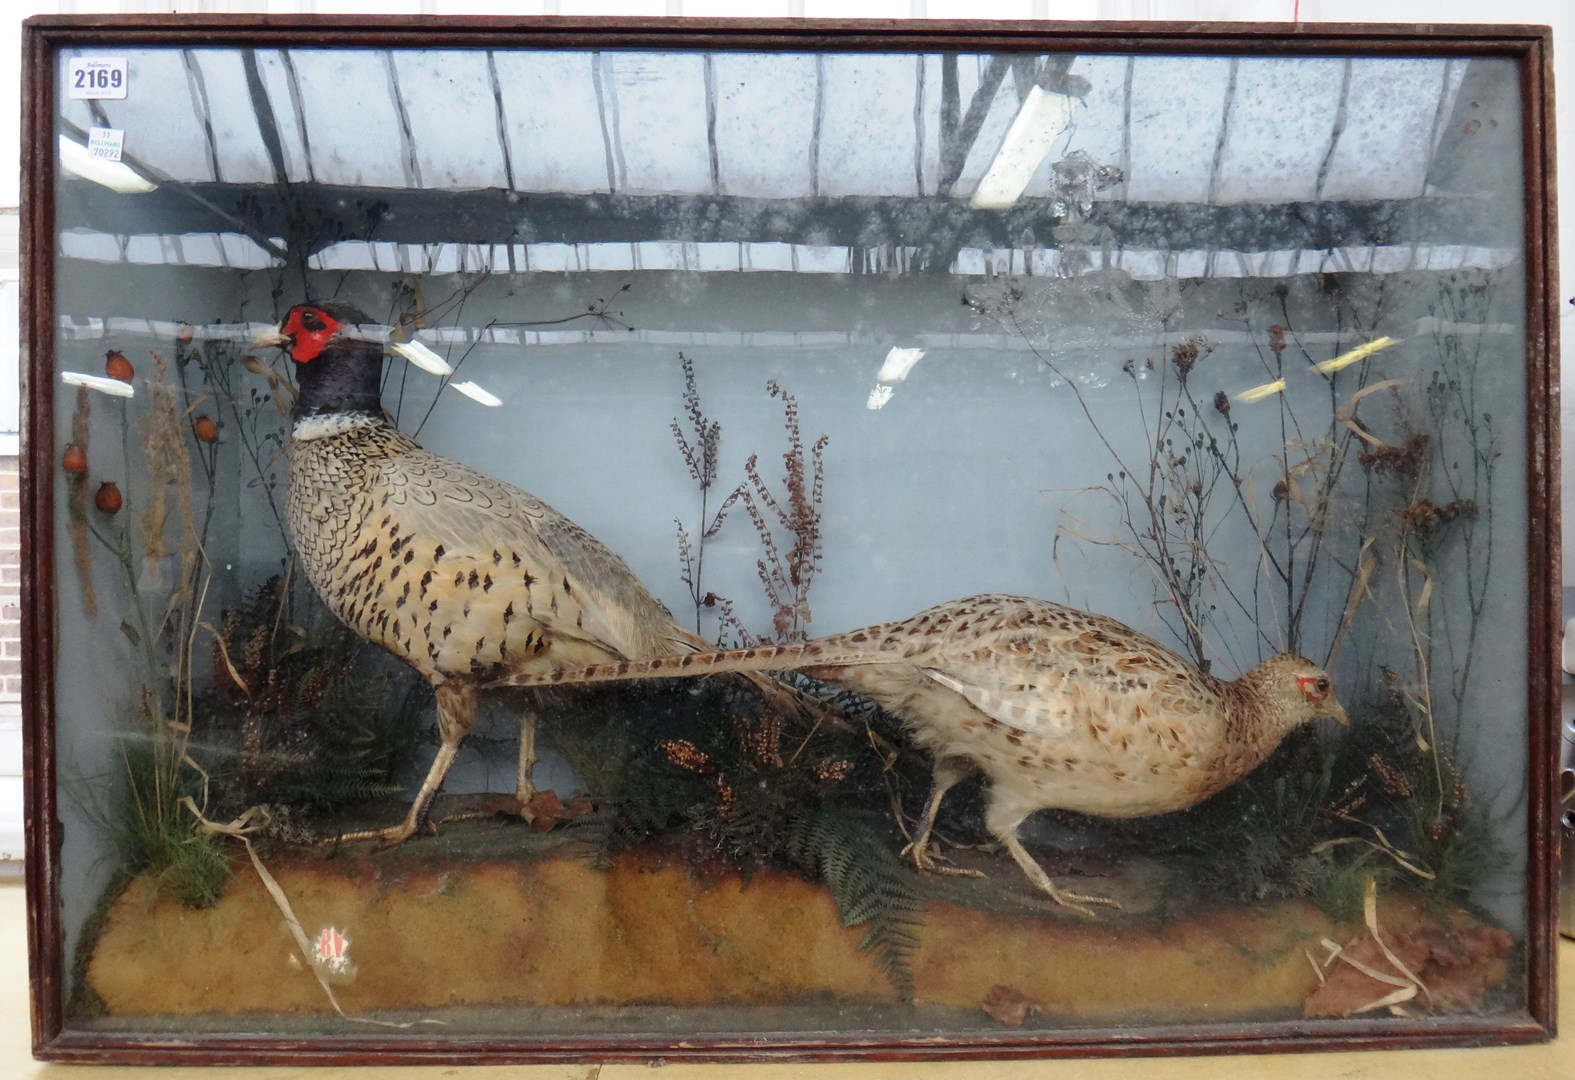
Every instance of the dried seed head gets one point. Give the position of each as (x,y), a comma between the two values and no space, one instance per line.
(687,756)
(1186,354)
(1392,780)
(831,770)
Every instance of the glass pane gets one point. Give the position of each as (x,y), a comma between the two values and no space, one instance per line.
(1093,433)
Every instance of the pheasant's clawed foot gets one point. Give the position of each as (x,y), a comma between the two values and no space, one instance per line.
(926,857)
(1082,903)
(491,806)
(380,839)
(542,811)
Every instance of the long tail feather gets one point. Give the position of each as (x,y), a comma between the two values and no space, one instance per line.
(760,659)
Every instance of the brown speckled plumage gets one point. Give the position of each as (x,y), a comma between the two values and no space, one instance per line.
(1057,707)
(455,572)
(463,576)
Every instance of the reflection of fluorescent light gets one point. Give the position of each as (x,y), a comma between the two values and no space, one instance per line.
(879,396)
(74,158)
(1361,352)
(1258,393)
(113,387)
(897,364)
(1041,120)
(476,393)
(423,357)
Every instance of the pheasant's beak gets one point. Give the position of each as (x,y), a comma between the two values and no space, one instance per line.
(1337,714)
(271,339)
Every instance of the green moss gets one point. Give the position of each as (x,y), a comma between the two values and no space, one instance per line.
(1337,883)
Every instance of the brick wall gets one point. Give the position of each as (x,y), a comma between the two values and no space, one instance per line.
(10,582)
(10,668)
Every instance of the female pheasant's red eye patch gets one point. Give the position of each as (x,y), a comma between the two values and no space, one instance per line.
(1314,687)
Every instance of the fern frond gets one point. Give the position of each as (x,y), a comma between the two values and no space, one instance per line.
(867,882)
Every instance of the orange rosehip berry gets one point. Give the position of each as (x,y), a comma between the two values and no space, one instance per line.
(74,461)
(116,366)
(108,500)
(205,429)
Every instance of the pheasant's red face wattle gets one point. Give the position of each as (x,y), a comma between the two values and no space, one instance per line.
(310,330)
(1315,688)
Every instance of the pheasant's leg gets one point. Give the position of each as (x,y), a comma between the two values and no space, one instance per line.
(524,790)
(946,773)
(1078,902)
(456,710)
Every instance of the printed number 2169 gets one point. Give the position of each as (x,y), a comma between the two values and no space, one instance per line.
(99,78)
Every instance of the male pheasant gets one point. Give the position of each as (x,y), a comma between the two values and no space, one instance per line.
(464,577)
(1057,707)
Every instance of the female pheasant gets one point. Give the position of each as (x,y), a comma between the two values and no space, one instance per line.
(1057,707)
(464,577)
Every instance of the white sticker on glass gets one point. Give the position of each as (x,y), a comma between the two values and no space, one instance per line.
(96,77)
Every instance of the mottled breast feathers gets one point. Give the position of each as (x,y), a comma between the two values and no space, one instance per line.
(1052,698)
(455,571)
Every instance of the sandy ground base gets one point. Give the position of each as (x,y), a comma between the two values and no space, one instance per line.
(1545,1061)
(623,948)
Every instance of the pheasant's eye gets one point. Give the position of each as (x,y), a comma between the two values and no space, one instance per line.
(310,330)
(1322,686)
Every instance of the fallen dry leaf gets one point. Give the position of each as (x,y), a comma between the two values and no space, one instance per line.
(547,811)
(1009,1005)
(498,806)
(1456,966)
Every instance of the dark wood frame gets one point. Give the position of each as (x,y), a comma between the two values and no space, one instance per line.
(1530,47)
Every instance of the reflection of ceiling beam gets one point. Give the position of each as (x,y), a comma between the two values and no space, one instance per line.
(298,104)
(1341,115)
(501,217)
(713,155)
(957,139)
(236,218)
(606,88)
(1222,135)
(1093,316)
(500,116)
(267,119)
(409,158)
(200,108)
(816,124)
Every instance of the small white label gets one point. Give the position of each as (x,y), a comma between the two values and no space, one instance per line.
(106,143)
(96,77)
